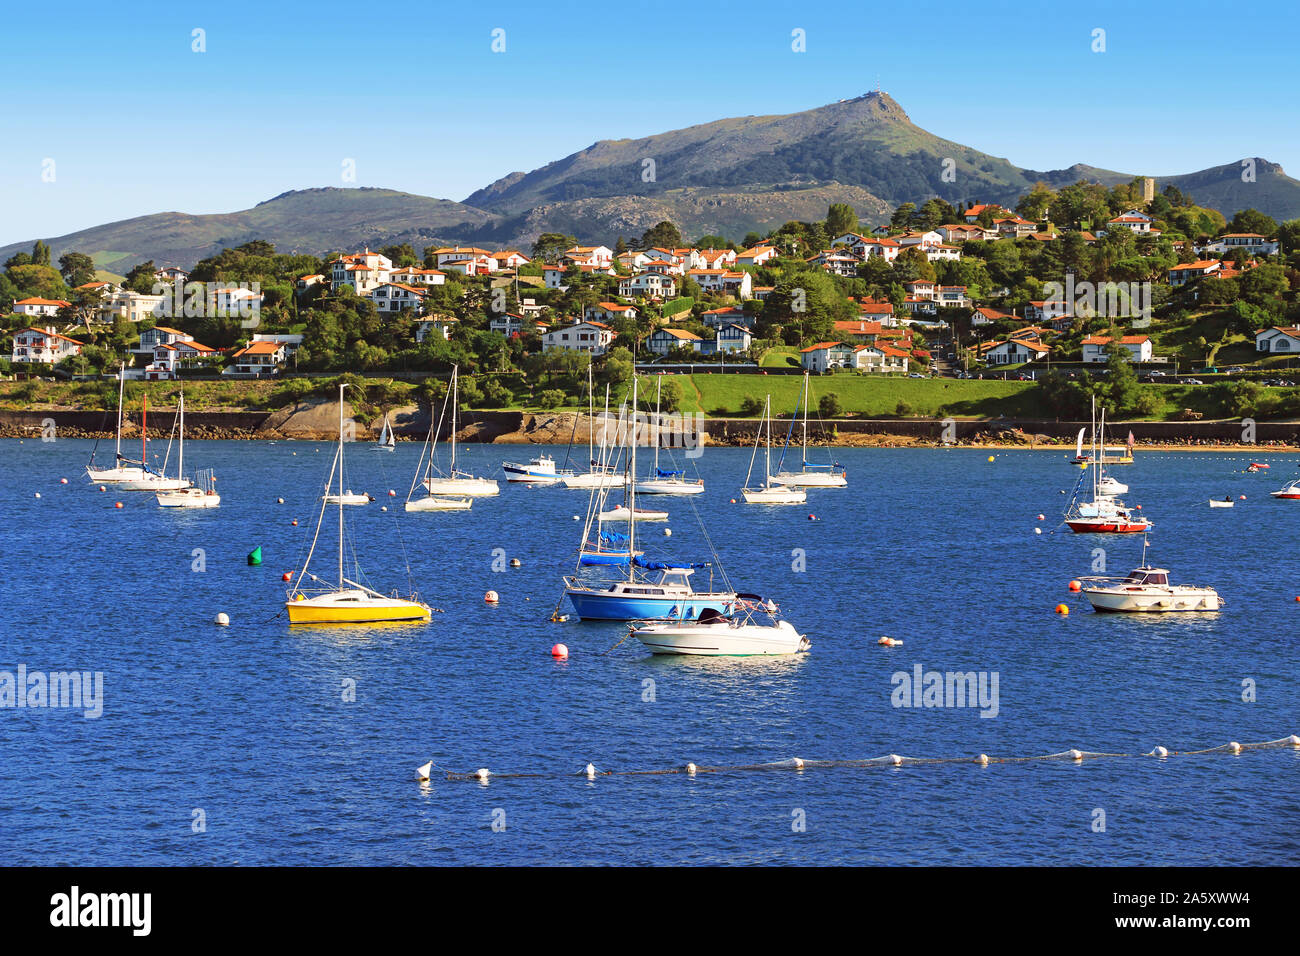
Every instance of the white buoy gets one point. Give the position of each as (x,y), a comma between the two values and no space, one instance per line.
(895,759)
(222,619)
(1076,755)
(383,507)
(279,501)
(422,773)
(516,563)
(1038,531)
(1160,752)
(63,481)
(982,760)
(1235,747)
(690,768)
(482,774)
(668,532)
(491,597)
(1293,740)
(576,518)
(798,763)
(392,493)
(591,771)
(38,494)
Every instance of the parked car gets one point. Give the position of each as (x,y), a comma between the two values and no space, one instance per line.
(916,375)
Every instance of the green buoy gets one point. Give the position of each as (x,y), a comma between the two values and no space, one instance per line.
(255,557)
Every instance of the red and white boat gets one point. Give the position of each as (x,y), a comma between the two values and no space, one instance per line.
(1103,513)
(1290,490)
(1121,522)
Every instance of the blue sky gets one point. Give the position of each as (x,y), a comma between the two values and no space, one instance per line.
(137,123)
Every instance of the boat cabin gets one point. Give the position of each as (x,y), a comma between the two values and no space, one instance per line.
(1157,576)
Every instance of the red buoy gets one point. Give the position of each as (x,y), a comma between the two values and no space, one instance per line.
(560,652)
(1075,585)
(118,505)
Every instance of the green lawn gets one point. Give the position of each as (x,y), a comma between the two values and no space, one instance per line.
(782,356)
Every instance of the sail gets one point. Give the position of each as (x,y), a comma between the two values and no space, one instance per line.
(1078,444)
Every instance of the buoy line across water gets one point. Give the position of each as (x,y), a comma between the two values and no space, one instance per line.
(483,775)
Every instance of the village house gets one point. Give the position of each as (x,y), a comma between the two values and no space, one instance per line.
(942,251)
(509,324)
(169,359)
(1014,227)
(396,297)
(861,330)
(665,267)
(1252,242)
(973,214)
(1182,274)
(1058,314)
(663,341)
(632,261)
(921,289)
(1278,339)
(827,355)
(593,337)
(960,232)
(150,339)
(952,297)
(881,358)
(362,270)
(925,240)
(37,306)
(302,283)
(1015,352)
(608,311)
(649,284)
(103,288)
(1138,223)
(411,275)
(836,263)
(437,325)
(1096,348)
(602,256)
(733,338)
(512,259)
(718,258)
(458,254)
(755,256)
(255,360)
(171,274)
(987,316)
(133,306)
(887,249)
(46,346)
(727,315)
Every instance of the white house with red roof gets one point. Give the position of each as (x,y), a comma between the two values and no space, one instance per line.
(1252,242)
(435,325)
(755,256)
(412,275)
(1096,347)
(881,359)
(608,311)
(256,359)
(727,315)
(36,306)
(169,359)
(1188,271)
(827,355)
(664,340)
(397,297)
(602,256)
(1016,352)
(511,258)
(1138,223)
(951,297)
(46,346)
(1278,339)
(987,316)
(362,270)
(837,262)
(649,284)
(593,337)
(973,214)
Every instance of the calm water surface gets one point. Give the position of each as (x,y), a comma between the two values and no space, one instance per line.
(248,723)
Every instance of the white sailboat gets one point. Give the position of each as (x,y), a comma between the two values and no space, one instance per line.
(661,481)
(810,475)
(455,482)
(769,492)
(123,469)
(387,440)
(151,481)
(345,602)
(600,473)
(204,495)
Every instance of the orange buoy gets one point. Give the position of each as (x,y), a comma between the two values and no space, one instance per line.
(102,488)
(1062,609)
(295,522)
(1075,585)
(560,652)
(491,597)
(286,576)
(118,505)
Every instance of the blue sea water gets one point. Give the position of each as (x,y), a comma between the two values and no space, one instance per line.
(247,730)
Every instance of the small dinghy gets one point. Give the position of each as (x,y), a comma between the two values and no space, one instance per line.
(1225,503)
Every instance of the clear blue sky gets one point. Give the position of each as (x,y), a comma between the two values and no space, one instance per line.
(138,123)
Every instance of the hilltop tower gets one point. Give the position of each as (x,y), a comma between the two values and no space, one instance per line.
(1148,188)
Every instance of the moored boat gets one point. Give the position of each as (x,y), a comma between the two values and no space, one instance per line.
(713,634)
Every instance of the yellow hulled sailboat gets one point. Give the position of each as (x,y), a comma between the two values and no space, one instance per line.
(346,602)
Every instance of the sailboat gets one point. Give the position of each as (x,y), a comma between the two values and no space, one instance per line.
(123,469)
(603,547)
(204,495)
(424,470)
(769,492)
(811,474)
(662,481)
(1104,513)
(455,482)
(668,596)
(599,475)
(345,602)
(150,480)
(1112,455)
(387,440)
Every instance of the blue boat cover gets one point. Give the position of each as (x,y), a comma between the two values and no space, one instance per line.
(664,473)
(663,565)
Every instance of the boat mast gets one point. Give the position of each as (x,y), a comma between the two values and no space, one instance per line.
(455,371)
(180,460)
(658,390)
(144,430)
(767,423)
(121,389)
(804,465)
(342,386)
(631,483)
(591,413)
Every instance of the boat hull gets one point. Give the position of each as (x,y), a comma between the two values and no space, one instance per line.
(439,503)
(1107,526)
(534,474)
(190,498)
(621,513)
(722,639)
(474,487)
(592,480)
(777,495)
(669,487)
(600,606)
(330,609)
(811,479)
(112,476)
(347,499)
(1119,600)
(160,484)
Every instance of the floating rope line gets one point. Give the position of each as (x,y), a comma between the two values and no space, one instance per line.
(888,760)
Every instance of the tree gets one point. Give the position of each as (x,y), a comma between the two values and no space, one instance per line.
(551,245)
(1034,204)
(1252,220)
(902,217)
(663,234)
(829,406)
(141,277)
(1288,234)
(40,254)
(841,218)
(77,268)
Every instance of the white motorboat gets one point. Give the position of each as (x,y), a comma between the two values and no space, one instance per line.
(1291,490)
(1107,485)
(202,495)
(713,634)
(1224,503)
(454,481)
(769,492)
(348,497)
(122,469)
(811,474)
(622,513)
(1147,590)
(539,470)
(439,503)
